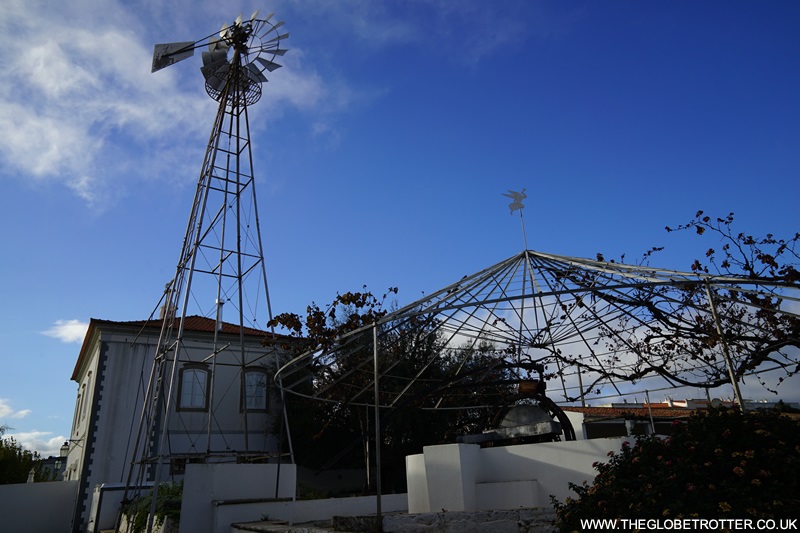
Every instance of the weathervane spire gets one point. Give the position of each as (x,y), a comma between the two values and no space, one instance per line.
(517,205)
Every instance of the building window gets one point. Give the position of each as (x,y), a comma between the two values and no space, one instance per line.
(193,388)
(87,387)
(82,405)
(255,381)
(77,412)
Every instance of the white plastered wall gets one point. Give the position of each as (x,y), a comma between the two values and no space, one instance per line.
(464,477)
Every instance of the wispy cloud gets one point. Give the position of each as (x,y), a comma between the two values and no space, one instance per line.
(6,411)
(80,108)
(40,441)
(76,93)
(79,105)
(67,330)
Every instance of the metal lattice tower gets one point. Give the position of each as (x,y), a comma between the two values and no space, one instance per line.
(220,276)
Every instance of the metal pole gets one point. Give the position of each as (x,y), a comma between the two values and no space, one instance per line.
(725,350)
(378,517)
(365,445)
(650,411)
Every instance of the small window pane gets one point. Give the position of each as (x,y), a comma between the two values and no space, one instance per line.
(255,390)
(193,388)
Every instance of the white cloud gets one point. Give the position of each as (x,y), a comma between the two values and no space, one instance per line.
(6,411)
(79,101)
(39,441)
(79,106)
(67,330)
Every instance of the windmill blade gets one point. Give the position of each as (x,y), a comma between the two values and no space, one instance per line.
(218,68)
(238,21)
(208,71)
(255,73)
(167,54)
(215,76)
(254,15)
(215,58)
(269,65)
(218,44)
(278,38)
(276,51)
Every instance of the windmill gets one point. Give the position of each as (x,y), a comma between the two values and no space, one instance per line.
(221,275)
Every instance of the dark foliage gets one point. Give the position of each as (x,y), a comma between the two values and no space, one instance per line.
(17,462)
(334,429)
(670,330)
(168,505)
(719,464)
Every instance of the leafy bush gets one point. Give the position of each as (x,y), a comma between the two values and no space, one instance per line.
(719,464)
(16,462)
(168,504)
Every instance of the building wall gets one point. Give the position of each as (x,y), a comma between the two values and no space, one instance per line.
(112,385)
(103,437)
(189,431)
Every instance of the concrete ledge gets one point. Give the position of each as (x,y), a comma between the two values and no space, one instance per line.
(538,520)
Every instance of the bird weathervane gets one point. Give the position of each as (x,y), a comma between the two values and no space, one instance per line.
(517,197)
(517,205)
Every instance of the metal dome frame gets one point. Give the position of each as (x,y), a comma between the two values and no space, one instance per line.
(592,324)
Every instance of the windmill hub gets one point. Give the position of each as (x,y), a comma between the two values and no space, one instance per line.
(238,36)
(234,78)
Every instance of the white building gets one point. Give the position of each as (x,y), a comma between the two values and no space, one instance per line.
(208,419)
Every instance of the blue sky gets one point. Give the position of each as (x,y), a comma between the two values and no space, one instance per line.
(382,149)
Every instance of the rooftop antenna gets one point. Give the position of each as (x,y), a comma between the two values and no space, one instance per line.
(221,266)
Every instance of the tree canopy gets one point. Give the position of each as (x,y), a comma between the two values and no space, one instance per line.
(17,462)
(744,301)
(335,409)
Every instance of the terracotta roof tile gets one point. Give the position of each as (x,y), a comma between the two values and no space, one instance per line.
(193,323)
(615,412)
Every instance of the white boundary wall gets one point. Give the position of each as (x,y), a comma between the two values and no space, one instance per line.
(205,485)
(307,510)
(465,477)
(40,507)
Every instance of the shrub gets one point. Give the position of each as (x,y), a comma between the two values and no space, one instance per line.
(16,462)
(719,464)
(167,505)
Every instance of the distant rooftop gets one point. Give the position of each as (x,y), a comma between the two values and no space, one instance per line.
(668,409)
